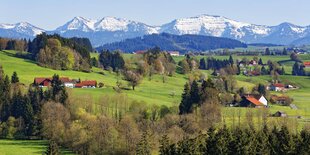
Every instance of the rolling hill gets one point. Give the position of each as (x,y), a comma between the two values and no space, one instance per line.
(169,42)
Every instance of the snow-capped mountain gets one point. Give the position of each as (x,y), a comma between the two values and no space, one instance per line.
(220,26)
(105,30)
(111,29)
(19,30)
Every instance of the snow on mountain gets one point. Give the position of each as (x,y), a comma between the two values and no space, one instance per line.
(105,30)
(111,29)
(205,24)
(108,24)
(78,23)
(23,28)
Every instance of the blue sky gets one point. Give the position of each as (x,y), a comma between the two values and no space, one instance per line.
(49,14)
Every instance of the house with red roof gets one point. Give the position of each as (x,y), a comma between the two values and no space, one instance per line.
(307,64)
(277,87)
(86,84)
(255,101)
(45,82)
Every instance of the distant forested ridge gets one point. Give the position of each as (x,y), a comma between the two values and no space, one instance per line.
(182,43)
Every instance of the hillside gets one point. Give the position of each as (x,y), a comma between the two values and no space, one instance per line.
(183,43)
(152,92)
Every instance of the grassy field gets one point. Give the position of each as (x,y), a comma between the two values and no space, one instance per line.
(150,91)
(25,147)
(17,147)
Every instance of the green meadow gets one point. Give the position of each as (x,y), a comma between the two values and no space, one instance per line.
(25,147)
(150,91)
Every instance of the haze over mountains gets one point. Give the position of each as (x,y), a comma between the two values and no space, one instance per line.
(111,29)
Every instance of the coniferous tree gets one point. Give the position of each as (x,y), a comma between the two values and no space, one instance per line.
(202,63)
(231,60)
(285,51)
(304,144)
(52,149)
(295,70)
(143,147)
(261,89)
(285,140)
(185,106)
(5,93)
(267,51)
(14,78)
(164,148)
(260,61)
(194,93)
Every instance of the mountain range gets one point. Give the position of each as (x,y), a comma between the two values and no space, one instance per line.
(111,29)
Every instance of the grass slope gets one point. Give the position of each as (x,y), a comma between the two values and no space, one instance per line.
(154,91)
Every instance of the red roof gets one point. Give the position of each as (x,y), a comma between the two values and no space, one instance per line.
(254,101)
(79,85)
(89,83)
(39,80)
(279,85)
(139,52)
(65,79)
(307,63)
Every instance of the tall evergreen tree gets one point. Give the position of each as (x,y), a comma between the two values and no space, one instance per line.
(164,148)
(14,78)
(260,61)
(231,60)
(185,105)
(261,89)
(52,149)
(202,63)
(194,93)
(143,147)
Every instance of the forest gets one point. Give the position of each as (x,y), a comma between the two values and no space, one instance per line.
(171,42)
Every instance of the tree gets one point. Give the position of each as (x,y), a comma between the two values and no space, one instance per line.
(194,93)
(267,51)
(202,63)
(295,70)
(14,78)
(260,61)
(231,60)
(164,148)
(285,51)
(143,147)
(52,148)
(58,91)
(132,77)
(185,105)
(261,89)
(185,68)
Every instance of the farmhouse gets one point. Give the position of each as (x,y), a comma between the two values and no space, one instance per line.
(282,100)
(307,64)
(277,87)
(174,53)
(256,101)
(86,84)
(45,82)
